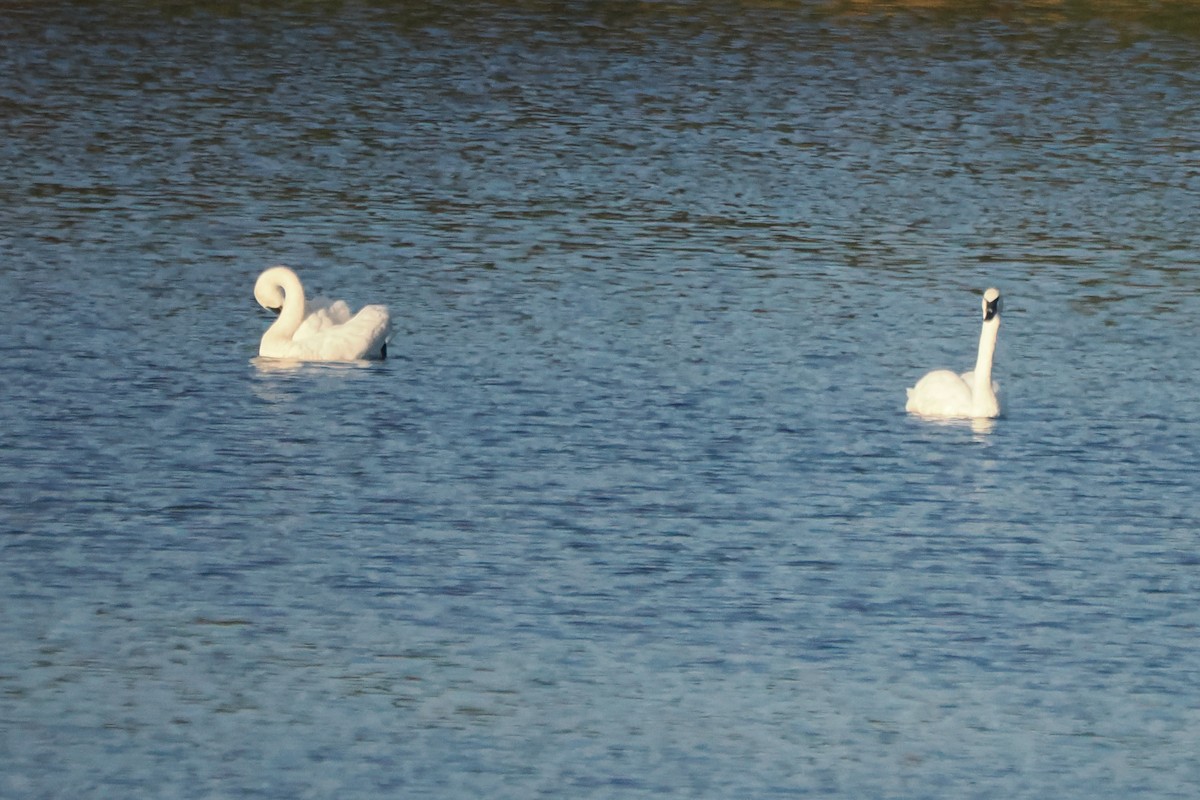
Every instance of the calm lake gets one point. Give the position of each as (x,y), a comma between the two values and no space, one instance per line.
(633,509)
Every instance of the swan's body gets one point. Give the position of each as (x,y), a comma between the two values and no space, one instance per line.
(317,330)
(971,395)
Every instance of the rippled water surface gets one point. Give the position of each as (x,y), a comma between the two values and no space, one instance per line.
(634,509)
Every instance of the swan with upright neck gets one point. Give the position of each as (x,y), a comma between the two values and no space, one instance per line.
(317,330)
(972,395)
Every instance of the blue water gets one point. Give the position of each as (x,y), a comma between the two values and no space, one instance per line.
(634,508)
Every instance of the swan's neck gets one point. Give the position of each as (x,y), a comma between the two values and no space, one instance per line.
(292,313)
(984,397)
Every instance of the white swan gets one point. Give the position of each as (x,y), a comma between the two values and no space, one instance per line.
(941,393)
(318,330)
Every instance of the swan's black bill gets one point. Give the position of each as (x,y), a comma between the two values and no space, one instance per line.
(991,309)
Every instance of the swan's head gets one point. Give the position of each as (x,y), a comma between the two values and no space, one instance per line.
(270,298)
(268,290)
(991,304)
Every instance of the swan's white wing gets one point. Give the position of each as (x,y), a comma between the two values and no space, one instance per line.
(337,310)
(322,318)
(941,393)
(321,313)
(362,336)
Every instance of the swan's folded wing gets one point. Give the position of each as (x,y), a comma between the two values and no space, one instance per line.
(363,336)
(321,314)
(940,393)
(339,312)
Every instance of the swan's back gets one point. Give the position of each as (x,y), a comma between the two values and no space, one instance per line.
(940,393)
(363,336)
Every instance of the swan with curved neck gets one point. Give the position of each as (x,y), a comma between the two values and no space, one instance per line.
(972,395)
(317,331)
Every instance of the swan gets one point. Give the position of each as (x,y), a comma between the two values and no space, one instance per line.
(317,330)
(941,393)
